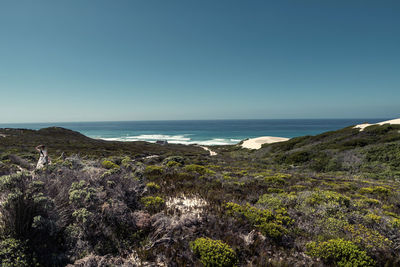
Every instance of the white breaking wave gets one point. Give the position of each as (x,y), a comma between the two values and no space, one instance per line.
(172,139)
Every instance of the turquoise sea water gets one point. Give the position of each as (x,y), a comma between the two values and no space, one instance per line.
(204,132)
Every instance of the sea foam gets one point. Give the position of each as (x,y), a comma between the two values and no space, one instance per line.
(172,139)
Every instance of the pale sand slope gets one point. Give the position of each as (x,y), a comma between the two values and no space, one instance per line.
(212,153)
(256,143)
(364,125)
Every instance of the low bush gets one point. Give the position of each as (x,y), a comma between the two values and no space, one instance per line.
(323,196)
(109,164)
(13,253)
(172,163)
(81,194)
(270,223)
(198,169)
(153,204)
(214,252)
(298,157)
(152,186)
(379,191)
(366,237)
(154,170)
(339,252)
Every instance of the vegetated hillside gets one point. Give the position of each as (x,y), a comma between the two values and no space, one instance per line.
(375,151)
(65,142)
(239,208)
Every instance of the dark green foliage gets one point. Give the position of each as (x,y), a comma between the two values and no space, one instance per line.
(13,253)
(388,154)
(298,157)
(340,253)
(23,200)
(214,252)
(344,149)
(28,214)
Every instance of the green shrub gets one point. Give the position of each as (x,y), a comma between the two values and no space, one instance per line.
(172,163)
(80,194)
(270,223)
(380,191)
(389,154)
(22,200)
(153,204)
(298,157)
(366,202)
(278,179)
(395,223)
(214,252)
(126,162)
(365,237)
(12,253)
(270,201)
(325,196)
(372,218)
(109,165)
(154,170)
(152,186)
(81,215)
(199,169)
(176,160)
(340,253)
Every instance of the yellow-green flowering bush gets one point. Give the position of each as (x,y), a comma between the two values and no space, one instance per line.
(153,204)
(366,237)
(322,196)
(214,253)
(372,218)
(173,163)
(270,223)
(340,253)
(395,223)
(154,170)
(126,161)
(109,164)
(277,178)
(380,191)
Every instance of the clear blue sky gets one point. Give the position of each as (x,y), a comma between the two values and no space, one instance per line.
(98,60)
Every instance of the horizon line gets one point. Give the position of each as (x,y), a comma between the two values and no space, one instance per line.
(100,121)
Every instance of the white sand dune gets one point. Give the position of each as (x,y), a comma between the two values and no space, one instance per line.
(364,125)
(256,143)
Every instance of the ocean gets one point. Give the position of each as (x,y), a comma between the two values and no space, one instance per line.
(202,132)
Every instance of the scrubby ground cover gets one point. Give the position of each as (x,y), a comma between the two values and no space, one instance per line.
(185,208)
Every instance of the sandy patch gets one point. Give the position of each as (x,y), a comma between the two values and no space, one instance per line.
(212,153)
(193,205)
(256,143)
(365,125)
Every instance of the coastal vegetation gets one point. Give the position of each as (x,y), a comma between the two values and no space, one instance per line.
(325,200)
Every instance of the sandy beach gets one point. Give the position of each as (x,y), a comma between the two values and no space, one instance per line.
(256,143)
(364,125)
